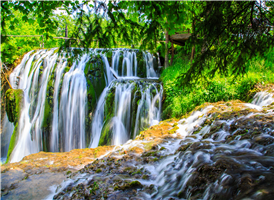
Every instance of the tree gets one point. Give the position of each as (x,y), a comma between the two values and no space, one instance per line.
(228,32)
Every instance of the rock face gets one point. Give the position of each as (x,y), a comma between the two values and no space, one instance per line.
(14,103)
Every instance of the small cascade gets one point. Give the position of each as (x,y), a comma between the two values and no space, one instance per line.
(65,100)
(263,99)
(126,108)
(260,100)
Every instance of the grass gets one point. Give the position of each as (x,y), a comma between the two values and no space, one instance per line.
(180,100)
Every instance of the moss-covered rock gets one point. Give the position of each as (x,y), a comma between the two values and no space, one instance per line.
(14,102)
(13,141)
(94,73)
(141,70)
(106,134)
(46,125)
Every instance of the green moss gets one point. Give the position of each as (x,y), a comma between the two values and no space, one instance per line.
(162,148)
(137,172)
(135,184)
(109,56)
(106,134)
(141,63)
(68,172)
(31,67)
(46,125)
(94,73)
(66,69)
(127,185)
(14,102)
(13,141)
(136,96)
(47,115)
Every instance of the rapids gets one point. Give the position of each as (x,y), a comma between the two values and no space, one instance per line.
(221,151)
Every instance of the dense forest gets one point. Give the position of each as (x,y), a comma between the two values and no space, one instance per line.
(148,99)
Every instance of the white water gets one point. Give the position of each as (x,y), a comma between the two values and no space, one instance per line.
(73,106)
(67,127)
(149,107)
(260,100)
(29,141)
(54,145)
(174,172)
(178,172)
(6,133)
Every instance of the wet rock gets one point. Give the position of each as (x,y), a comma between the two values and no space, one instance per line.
(264,140)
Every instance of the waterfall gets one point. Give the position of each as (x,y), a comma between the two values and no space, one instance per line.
(29,128)
(73,106)
(123,122)
(66,102)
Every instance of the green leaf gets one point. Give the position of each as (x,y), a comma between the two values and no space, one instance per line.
(31,21)
(25,18)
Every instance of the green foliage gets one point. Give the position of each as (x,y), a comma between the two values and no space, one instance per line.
(180,100)
(231,32)
(22,21)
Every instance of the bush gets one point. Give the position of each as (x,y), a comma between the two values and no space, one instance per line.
(180,100)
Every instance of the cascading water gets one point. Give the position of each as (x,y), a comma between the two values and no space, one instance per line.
(222,151)
(126,108)
(6,133)
(73,106)
(60,96)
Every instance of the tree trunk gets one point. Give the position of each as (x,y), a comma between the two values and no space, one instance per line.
(172,55)
(6,79)
(166,49)
(193,48)
(192,53)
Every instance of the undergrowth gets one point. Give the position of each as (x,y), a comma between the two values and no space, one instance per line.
(178,100)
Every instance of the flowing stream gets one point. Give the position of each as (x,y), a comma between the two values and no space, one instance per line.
(67,102)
